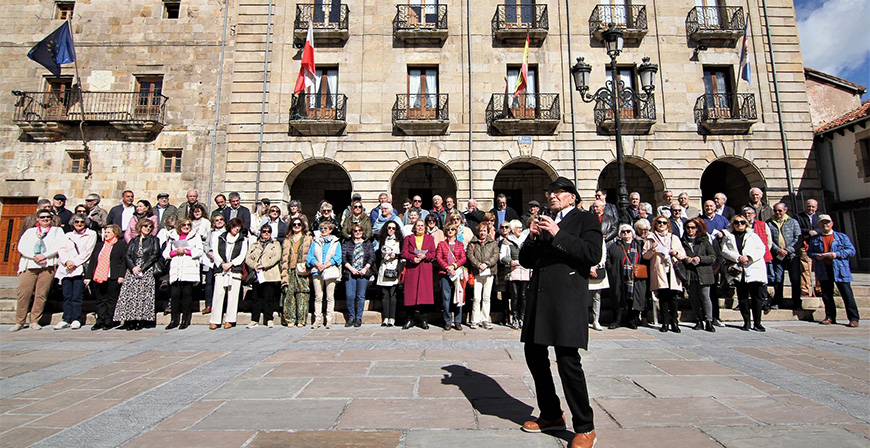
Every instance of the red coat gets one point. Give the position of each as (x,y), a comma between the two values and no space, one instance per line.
(419,289)
(444,250)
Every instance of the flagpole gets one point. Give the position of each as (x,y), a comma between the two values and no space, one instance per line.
(85,148)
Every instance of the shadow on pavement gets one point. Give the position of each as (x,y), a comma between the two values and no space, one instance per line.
(486,395)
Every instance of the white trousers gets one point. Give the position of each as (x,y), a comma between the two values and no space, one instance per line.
(231,294)
(482,294)
(319,285)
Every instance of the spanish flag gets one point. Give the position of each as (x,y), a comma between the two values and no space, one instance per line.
(523,78)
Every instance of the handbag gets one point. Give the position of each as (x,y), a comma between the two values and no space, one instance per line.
(249,276)
(637,270)
(159,269)
(331,273)
(391,274)
(680,270)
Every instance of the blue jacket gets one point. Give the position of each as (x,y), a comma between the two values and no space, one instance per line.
(718,222)
(323,247)
(844,250)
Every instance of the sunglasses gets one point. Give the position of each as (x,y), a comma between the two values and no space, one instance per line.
(297,224)
(218,220)
(265,230)
(391,228)
(90,200)
(324,228)
(45,217)
(357,206)
(625,231)
(148,226)
(504,227)
(79,221)
(691,227)
(661,222)
(740,223)
(357,230)
(418,200)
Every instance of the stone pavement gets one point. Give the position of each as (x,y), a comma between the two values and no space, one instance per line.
(799,384)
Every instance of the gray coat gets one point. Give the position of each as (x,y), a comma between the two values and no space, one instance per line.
(791,231)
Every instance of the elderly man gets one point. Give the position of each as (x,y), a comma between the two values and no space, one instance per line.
(763,212)
(609,209)
(786,244)
(678,221)
(96,214)
(192,199)
(473,216)
(809,222)
(689,212)
(221,201)
(120,214)
(721,209)
(831,251)
(609,225)
(30,221)
(237,210)
(502,212)
(383,198)
(560,251)
(416,204)
(665,208)
(438,211)
(634,206)
(534,209)
(164,209)
(58,208)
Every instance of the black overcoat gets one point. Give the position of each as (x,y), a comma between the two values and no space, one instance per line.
(558,298)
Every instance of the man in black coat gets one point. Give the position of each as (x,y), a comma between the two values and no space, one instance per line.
(502,212)
(58,208)
(120,214)
(609,224)
(809,222)
(721,209)
(560,251)
(473,216)
(237,210)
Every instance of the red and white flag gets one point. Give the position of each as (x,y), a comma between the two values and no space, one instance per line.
(306,72)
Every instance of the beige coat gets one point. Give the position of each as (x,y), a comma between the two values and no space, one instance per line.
(289,257)
(659,272)
(271,259)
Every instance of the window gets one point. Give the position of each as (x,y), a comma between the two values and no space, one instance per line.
(523,106)
(519,13)
(718,90)
(64,10)
(614,11)
(626,105)
(150,100)
(58,92)
(77,162)
(171,160)
(708,13)
(171,9)
(863,152)
(326,80)
(423,12)
(422,93)
(327,11)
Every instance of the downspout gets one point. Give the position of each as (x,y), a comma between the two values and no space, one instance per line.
(782,138)
(571,93)
(263,103)
(470,102)
(217,112)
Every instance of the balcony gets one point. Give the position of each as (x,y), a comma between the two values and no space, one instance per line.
(635,117)
(511,23)
(46,116)
(527,114)
(415,114)
(725,113)
(329,22)
(420,24)
(630,19)
(715,26)
(318,114)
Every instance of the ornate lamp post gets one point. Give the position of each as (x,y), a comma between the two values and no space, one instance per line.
(614,93)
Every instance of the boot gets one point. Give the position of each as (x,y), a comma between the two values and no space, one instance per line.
(423,324)
(709,326)
(675,328)
(745,326)
(616,320)
(132,326)
(185,321)
(173,323)
(664,328)
(698,326)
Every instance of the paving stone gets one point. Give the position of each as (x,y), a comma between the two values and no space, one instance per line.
(10,421)
(50,356)
(380,355)
(10,404)
(189,416)
(761,385)
(75,414)
(131,389)
(514,438)
(55,388)
(313,369)
(614,387)
(270,415)
(435,413)
(862,429)
(785,437)
(173,370)
(354,387)
(626,354)
(789,409)
(846,382)
(409,368)
(114,380)
(106,370)
(258,388)
(449,355)
(56,403)
(11,369)
(654,438)
(193,439)
(651,412)
(332,439)
(510,368)
(693,386)
(692,367)
(473,386)
(26,436)
(303,356)
(620,368)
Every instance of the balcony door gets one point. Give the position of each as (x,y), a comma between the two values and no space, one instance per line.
(626,105)
(717,88)
(321,104)
(326,12)
(422,93)
(423,13)
(708,13)
(57,98)
(614,11)
(525,104)
(519,13)
(150,97)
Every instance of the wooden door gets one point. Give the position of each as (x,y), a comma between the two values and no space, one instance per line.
(422,93)
(14,212)
(56,101)
(150,97)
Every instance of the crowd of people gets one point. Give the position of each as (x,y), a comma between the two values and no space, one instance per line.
(126,257)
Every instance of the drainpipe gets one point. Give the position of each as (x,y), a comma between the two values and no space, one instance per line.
(217,111)
(263,103)
(571,93)
(470,102)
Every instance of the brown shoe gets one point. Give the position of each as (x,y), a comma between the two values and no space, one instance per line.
(853,324)
(206,310)
(457,326)
(228,325)
(827,321)
(584,440)
(447,327)
(539,425)
(212,326)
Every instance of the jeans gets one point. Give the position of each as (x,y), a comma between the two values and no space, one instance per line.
(355,292)
(793,266)
(699,295)
(452,312)
(73,288)
(209,286)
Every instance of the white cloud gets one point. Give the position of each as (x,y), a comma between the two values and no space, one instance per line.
(834,36)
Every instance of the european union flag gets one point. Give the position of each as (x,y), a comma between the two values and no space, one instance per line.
(54,50)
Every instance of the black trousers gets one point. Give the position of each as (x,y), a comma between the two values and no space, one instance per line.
(845,293)
(668,305)
(182,297)
(264,300)
(749,297)
(573,383)
(390,301)
(106,294)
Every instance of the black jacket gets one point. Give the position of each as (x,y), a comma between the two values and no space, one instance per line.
(558,300)
(151,252)
(703,272)
(609,228)
(117,260)
(368,258)
(807,223)
(473,219)
(243,213)
(116,216)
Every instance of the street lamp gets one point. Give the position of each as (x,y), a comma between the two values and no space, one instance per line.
(614,93)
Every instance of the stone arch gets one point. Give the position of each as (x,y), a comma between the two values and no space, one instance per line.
(733,176)
(315,180)
(424,176)
(523,179)
(640,176)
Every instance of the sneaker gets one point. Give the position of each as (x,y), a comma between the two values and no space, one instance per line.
(252,325)
(61,325)
(16,327)
(270,324)
(718,323)
(540,425)
(75,325)
(35,326)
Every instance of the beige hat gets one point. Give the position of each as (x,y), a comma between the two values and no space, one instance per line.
(823,218)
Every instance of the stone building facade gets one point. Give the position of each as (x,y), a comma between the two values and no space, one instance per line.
(358,133)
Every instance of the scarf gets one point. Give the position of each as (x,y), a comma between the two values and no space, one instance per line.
(628,261)
(358,254)
(101,273)
(39,246)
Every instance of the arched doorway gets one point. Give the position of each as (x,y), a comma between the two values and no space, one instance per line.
(522,181)
(423,177)
(640,176)
(733,177)
(318,180)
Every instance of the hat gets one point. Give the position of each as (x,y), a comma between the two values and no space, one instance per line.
(823,218)
(564,184)
(534,204)
(59,197)
(266,201)
(356,197)
(162,195)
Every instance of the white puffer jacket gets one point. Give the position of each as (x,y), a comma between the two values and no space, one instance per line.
(183,267)
(754,248)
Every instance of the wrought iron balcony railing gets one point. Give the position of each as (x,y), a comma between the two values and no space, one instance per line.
(627,18)
(713,19)
(323,17)
(420,17)
(520,17)
(98,106)
(629,109)
(528,113)
(725,106)
(332,106)
(414,106)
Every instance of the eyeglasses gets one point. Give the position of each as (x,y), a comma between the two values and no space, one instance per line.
(90,200)
(324,228)
(661,222)
(357,230)
(504,227)
(265,230)
(45,217)
(79,221)
(691,227)
(450,230)
(625,231)
(357,206)
(739,223)
(185,225)
(149,226)
(218,220)
(297,224)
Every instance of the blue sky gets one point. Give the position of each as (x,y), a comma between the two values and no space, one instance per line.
(834,37)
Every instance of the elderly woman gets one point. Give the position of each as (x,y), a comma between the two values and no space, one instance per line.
(183,249)
(143,211)
(743,254)
(432,228)
(74,251)
(324,215)
(390,265)
(324,260)
(664,250)
(699,260)
(627,283)
(516,275)
(418,251)
(105,274)
(294,209)
(229,250)
(358,256)
(218,227)
(450,256)
(482,254)
(385,215)
(264,257)
(136,299)
(358,217)
(641,232)
(295,274)
(278,225)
